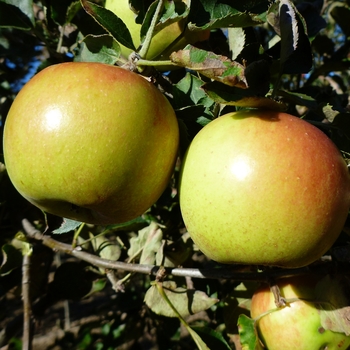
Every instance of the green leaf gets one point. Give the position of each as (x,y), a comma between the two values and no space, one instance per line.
(11,259)
(63,11)
(102,48)
(233,96)
(110,22)
(213,66)
(247,333)
(67,225)
(174,11)
(230,14)
(296,53)
(341,15)
(186,302)
(298,99)
(17,14)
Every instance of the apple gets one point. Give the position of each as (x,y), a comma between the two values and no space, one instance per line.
(90,142)
(164,40)
(263,187)
(297,325)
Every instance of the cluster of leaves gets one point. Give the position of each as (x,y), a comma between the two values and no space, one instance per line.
(283,55)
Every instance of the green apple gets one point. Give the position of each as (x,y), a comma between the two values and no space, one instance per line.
(90,142)
(298,325)
(164,40)
(263,187)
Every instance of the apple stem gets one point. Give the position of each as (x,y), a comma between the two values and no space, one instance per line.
(279,300)
(147,42)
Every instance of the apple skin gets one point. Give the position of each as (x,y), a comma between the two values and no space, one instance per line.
(162,40)
(263,187)
(90,142)
(297,326)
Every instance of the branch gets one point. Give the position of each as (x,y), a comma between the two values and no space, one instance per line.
(27,306)
(233,272)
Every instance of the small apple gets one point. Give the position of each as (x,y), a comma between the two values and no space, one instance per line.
(90,142)
(263,187)
(163,40)
(298,325)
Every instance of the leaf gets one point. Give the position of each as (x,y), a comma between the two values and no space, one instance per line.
(236,41)
(147,243)
(173,11)
(213,339)
(341,15)
(110,22)
(295,47)
(186,302)
(228,14)
(238,302)
(11,259)
(62,12)
(334,308)
(248,334)
(213,66)
(105,248)
(197,339)
(131,225)
(2,170)
(233,96)
(68,225)
(298,99)
(101,48)
(17,14)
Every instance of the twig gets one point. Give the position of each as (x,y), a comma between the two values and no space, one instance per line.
(147,42)
(233,272)
(27,306)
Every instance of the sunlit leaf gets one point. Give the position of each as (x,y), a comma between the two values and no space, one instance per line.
(103,49)
(110,22)
(213,66)
(67,225)
(146,244)
(187,302)
(16,14)
(247,333)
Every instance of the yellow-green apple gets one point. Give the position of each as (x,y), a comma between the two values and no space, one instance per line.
(90,142)
(263,187)
(302,324)
(171,38)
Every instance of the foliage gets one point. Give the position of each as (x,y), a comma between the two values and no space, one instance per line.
(284,55)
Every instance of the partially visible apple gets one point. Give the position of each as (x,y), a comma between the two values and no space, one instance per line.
(90,142)
(298,326)
(263,187)
(163,40)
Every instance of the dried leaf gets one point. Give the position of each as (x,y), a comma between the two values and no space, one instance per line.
(334,308)
(147,243)
(186,301)
(105,248)
(213,66)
